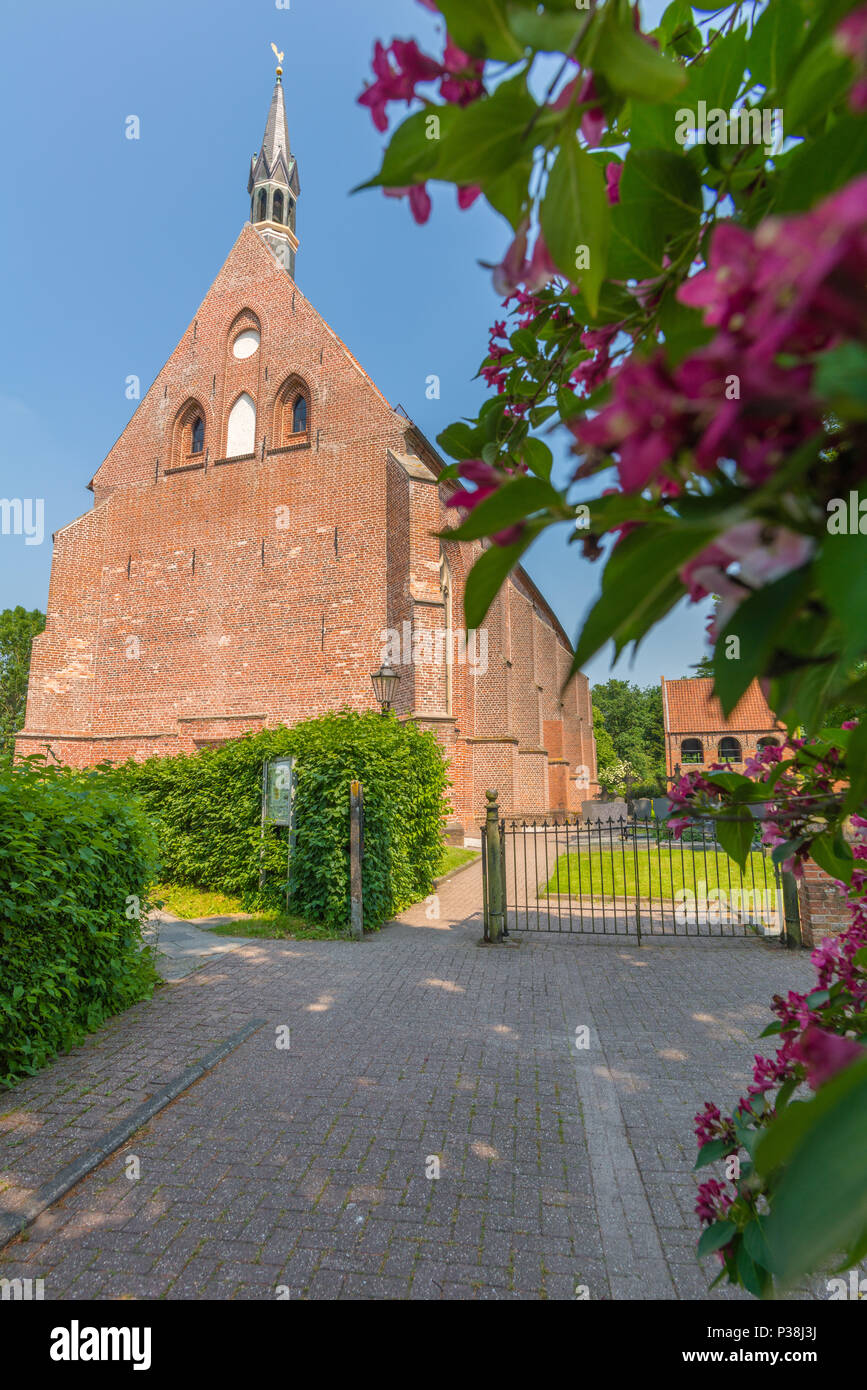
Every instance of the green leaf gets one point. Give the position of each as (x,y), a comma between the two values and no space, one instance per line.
(711,1153)
(511,503)
(487,138)
(819,83)
(718,80)
(841,571)
(411,156)
(775,41)
(538,458)
(736,837)
(576,214)
(819,167)
(660,197)
(547,33)
(630,65)
(833,855)
(488,576)
(523,340)
(507,192)
(715,1237)
(481,28)
(841,377)
(653,125)
(683,329)
(753,1279)
(820,1200)
(641,566)
(459,441)
(757,624)
(856,766)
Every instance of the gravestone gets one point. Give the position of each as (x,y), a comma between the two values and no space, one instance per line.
(604,810)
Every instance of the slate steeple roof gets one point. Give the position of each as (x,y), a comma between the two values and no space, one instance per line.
(275,160)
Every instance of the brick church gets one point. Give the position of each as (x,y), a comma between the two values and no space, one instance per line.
(264,521)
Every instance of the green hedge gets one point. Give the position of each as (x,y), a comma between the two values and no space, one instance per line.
(76,859)
(208,812)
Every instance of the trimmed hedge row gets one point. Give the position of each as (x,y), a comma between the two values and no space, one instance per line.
(207,809)
(76,859)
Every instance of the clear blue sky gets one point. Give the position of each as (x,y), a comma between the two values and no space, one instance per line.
(111,244)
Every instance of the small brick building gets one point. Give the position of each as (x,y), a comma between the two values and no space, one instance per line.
(698,734)
(262,531)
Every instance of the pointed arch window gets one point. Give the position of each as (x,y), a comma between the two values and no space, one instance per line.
(277,214)
(241,429)
(188,437)
(292,414)
(262,206)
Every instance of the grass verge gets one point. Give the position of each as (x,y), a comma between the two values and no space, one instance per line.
(658,874)
(193,904)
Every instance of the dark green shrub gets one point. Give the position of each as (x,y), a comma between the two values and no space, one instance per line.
(207,808)
(76,858)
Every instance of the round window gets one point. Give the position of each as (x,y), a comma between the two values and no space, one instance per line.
(246,343)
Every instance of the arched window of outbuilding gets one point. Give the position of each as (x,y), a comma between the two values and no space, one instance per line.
(691,751)
(729,750)
(197,438)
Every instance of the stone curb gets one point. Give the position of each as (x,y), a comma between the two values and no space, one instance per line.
(13,1223)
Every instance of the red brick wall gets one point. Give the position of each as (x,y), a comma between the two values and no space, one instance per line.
(190,606)
(822,905)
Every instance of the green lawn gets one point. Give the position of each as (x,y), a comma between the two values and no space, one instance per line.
(660,873)
(193,904)
(196,903)
(453,858)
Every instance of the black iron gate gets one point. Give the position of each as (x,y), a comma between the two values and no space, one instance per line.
(631,877)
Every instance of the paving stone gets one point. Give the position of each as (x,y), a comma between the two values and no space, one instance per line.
(307,1168)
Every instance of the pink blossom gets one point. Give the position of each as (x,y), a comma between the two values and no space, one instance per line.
(712,1201)
(724,289)
(850,36)
(582,89)
(467,195)
(613,172)
(396,84)
(509,274)
(541,268)
(824,1054)
(419,200)
(462,76)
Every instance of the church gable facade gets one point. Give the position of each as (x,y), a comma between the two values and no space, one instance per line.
(263,532)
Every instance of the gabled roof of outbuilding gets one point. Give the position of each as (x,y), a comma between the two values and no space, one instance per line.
(690,707)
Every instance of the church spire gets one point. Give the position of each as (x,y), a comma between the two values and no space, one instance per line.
(273,184)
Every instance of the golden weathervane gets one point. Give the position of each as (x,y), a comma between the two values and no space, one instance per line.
(279,56)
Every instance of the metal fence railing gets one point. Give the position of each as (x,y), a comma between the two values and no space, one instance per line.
(631,877)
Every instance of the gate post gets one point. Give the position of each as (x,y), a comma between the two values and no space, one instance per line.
(496,906)
(791,908)
(356,911)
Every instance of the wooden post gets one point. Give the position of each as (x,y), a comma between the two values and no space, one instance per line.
(356,805)
(496,912)
(262,831)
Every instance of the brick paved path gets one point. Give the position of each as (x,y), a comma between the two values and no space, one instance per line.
(305,1167)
